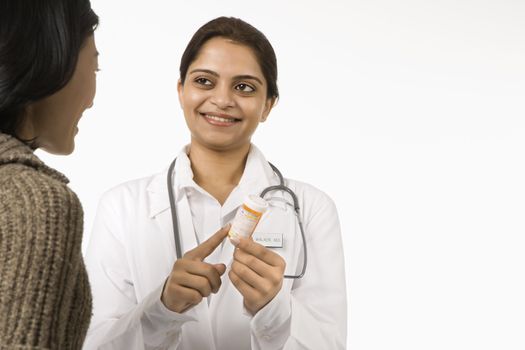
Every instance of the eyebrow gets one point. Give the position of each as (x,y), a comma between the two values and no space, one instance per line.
(237,77)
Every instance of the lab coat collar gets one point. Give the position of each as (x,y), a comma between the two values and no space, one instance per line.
(157,194)
(257,175)
(183,170)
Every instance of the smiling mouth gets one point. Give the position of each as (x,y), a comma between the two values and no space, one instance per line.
(216,120)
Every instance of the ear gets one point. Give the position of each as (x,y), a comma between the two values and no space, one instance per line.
(267,108)
(180,92)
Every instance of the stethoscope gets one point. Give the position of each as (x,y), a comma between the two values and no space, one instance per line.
(281,187)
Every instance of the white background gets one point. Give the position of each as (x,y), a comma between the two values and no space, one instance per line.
(409,114)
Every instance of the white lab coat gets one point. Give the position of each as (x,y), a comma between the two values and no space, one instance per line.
(132,251)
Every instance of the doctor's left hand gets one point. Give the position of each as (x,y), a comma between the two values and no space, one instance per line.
(257,273)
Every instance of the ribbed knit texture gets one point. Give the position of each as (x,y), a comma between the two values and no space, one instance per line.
(45,299)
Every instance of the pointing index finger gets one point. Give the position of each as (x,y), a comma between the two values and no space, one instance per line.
(208,246)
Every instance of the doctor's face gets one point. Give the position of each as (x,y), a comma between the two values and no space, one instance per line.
(224,95)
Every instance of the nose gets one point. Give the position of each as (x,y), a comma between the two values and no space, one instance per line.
(222,97)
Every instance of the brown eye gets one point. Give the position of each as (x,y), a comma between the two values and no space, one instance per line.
(244,88)
(203,81)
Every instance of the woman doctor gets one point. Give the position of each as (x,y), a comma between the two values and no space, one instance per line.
(220,294)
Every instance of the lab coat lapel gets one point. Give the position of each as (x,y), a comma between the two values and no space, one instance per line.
(160,210)
(188,237)
(186,229)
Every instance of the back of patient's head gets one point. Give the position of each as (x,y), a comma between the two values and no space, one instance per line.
(39,46)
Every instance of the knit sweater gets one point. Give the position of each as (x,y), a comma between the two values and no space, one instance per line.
(45,298)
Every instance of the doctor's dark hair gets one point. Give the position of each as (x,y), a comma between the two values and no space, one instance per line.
(40,42)
(240,32)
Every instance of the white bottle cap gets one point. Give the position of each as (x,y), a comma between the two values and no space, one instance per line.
(256,203)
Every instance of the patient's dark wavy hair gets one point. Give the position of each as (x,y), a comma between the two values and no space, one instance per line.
(241,32)
(40,41)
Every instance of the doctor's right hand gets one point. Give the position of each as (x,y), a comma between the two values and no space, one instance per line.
(191,279)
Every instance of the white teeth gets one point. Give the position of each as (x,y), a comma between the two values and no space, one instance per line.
(219,119)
